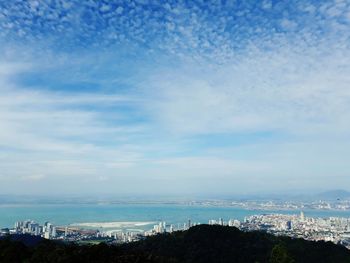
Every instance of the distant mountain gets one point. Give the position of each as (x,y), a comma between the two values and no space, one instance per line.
(200,244)
(334,194)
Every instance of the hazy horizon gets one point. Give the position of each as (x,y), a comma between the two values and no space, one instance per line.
(174,98)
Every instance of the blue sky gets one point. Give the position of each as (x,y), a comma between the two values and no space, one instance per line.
(174,97)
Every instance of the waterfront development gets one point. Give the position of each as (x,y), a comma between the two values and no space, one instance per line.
(120,222)
(334,229)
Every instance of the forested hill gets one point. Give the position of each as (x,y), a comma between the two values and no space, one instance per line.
(199,244)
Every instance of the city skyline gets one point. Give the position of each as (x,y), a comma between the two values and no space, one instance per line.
(175,98)
(333,229)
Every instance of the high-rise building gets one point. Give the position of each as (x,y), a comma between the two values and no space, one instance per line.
(53,232)
(66,232)
(47,235)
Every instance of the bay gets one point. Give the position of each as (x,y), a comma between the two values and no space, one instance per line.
(65,214)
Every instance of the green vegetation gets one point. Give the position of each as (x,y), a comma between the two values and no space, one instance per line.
(199,244)
(279,254)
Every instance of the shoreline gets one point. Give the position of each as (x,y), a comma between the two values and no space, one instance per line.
(114,224)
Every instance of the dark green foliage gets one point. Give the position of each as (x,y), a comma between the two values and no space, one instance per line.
(279,254)
(200,244)
(13,251)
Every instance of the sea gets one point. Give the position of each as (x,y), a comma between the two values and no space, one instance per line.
(70,214)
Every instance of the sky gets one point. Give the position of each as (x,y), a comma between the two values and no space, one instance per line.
(174,97)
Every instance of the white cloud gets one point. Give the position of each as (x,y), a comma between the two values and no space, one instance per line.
(227,75)
(47,135)
(288,24)
(267,4)
(293,88)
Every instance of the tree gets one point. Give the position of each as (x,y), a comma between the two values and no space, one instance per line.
(279,254)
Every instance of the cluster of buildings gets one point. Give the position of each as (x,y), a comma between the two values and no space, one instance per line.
(163,227)
(334,229)
(115,237)
(49,231)
(31,227)
(77,234)
(221,222)
(160,228)
(337,204)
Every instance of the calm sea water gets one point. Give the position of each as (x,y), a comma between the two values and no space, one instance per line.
(68,214)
